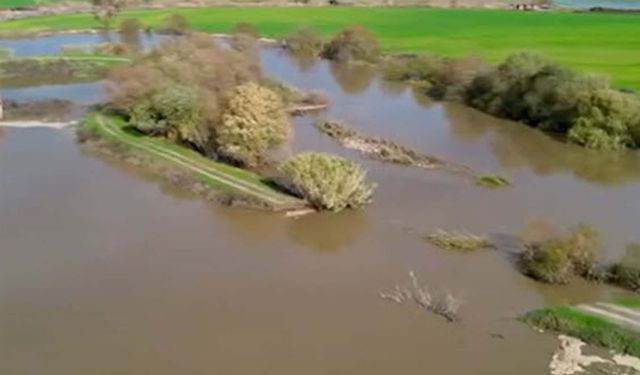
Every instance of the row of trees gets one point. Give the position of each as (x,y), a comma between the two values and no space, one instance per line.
(191,91)
(526,87)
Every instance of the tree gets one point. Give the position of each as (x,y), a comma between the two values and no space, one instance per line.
(105,11)
(253,122)
(328,182)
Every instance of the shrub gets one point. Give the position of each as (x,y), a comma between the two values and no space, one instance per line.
(352,43)
(626,272)
(244,36)
(304,42)
(174,113)
(328,182)
(130,25)
(245,28)
(253,122)
(526,87)
(174,24)
(130,32)
(411,68)
(604,119)
(451,77)
(558,259)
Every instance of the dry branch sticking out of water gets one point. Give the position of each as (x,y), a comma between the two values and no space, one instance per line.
(443,304)
(386,150)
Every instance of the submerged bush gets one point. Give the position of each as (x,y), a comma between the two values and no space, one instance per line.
(605,120)
(245,28)
(526,87)
(454,240)
(491,181)
(253,122)
(130,25)
(174,24)
(244,36)
(328,182)
(411,68)
(352,43)
(626,272)
(304,42)
(556,260)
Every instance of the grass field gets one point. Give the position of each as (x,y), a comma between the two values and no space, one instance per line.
(27,3)
(602,43)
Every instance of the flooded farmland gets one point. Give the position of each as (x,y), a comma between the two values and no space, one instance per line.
(104,270)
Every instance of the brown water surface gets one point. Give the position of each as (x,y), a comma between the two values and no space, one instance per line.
(104,271)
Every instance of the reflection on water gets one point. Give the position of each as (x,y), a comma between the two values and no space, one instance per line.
(81,93)
(328,231)
(52,44)
(515,146)
(353,78)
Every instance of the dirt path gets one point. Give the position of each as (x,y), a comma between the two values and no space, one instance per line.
(616,314)
(279,201)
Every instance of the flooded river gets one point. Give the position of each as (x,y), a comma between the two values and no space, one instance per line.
(105,271)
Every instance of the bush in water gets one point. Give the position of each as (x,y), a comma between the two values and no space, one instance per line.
(556,260)
(526,87)
(253,122)
(175,24)
(626,272)
(244,36)
(304,42)
(328,182)
(352,43)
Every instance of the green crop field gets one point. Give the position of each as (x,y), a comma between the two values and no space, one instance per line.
(591,42)
(26,3)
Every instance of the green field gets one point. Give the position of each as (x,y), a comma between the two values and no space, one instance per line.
(27,3)
(602,43)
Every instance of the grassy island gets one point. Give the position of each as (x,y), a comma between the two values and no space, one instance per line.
(223,177)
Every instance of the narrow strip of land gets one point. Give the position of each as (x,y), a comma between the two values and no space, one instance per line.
(210,170)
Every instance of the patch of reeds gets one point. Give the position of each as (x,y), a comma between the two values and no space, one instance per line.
(491,181)
(462,241)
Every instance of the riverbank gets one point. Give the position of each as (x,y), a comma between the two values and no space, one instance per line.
(579,40)
(613,326)
(238,186)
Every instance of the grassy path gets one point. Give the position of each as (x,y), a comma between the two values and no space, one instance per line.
(591,42)
(222,176)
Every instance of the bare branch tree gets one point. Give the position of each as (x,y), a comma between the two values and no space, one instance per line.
(105,11)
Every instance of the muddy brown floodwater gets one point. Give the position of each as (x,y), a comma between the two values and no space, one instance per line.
(106,271)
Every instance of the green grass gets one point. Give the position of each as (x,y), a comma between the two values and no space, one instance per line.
(29,3)
(589,328)
(631,302)
(591,42)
